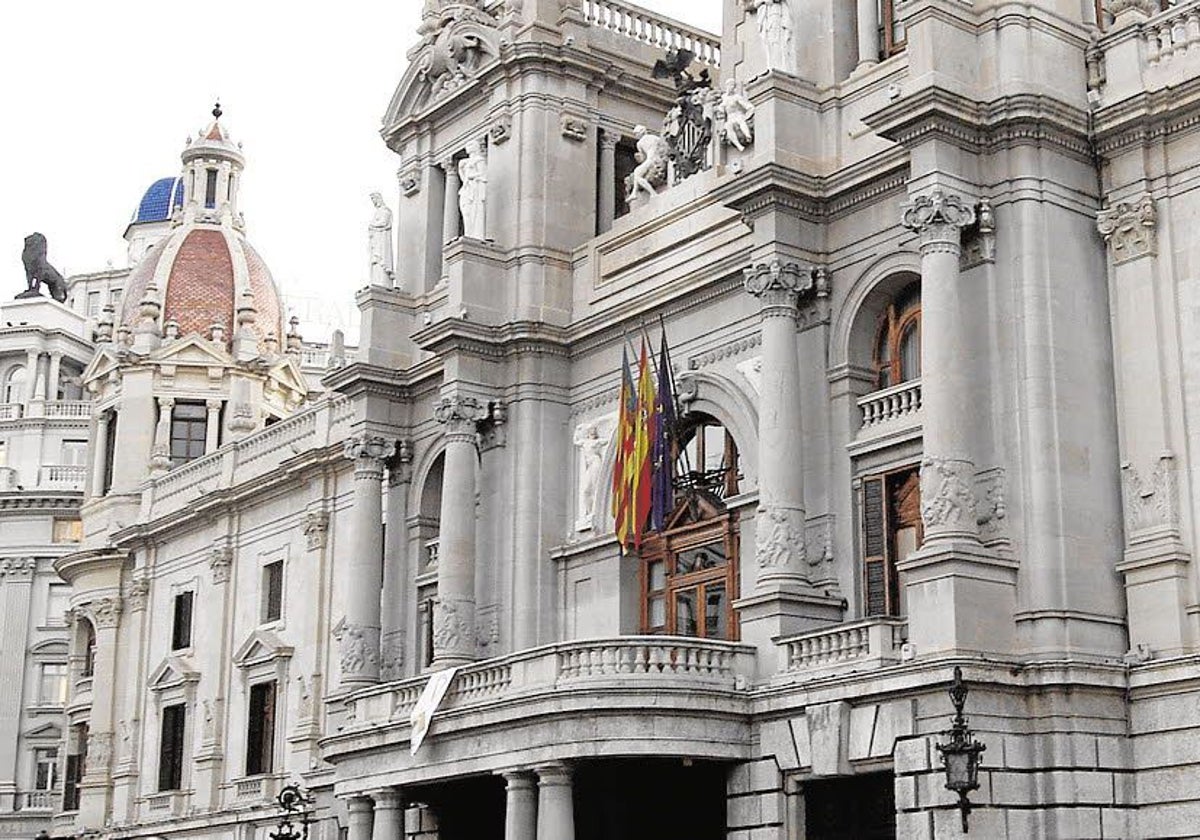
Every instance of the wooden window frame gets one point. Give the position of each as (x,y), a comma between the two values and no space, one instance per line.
(892,327)
(171,746)
(183,442)
(891,45)
(665,548)
(884,559)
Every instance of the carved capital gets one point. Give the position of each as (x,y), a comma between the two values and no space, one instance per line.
(400,467)
(369,452)
(778,284)
(316,529)
(137,594)
(1130,228)
(939,219)
(105,612)
(220,559)
(460,415)
(1145,8)
(409,180)
(948,496)
(609,138)
(500,130)
(17,568)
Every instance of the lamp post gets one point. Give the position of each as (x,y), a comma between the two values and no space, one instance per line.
(294,801)
(960,756)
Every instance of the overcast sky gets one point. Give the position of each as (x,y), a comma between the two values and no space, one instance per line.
(100,96)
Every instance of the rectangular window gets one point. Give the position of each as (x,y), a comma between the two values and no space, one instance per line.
(170,748)
(110,445)
(895,33)
(67,531)
(52,687)
(686,581)
(58,598)
(426,597)
(210,188)
(93,304)
(73,453)
(45,768)
(181,629)
(189,430)
(272,591)
(114,297)
(74,769)
(260,730)
(3,454)
(890,514)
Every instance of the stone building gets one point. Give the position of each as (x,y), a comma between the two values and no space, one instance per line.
(927,275)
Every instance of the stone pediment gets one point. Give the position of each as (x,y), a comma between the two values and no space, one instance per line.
(261,646)
(458,41)
(287,376)
(50,647)
(192,351)
(102,364)
(44,732)
(172,672)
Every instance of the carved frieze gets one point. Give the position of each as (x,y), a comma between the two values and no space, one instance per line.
(1151,501)
(948,495)
(391,655)
(451,629)
(1130,228)
(409,180)
(316,529)
(358,647)
(991,508)
(500,130)
(779,538)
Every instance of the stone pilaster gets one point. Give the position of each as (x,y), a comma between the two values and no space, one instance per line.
(454,613)
(960,595)
(95,798)
(160,455)
(53,376)
(212,427)
(450,216)
(521,806)
(358,631)
(16,585)
(556,809)
(396,565)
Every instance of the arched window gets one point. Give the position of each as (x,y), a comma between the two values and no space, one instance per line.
(689,571)
(14,385)
(898,340)
(429,528)
(89,649)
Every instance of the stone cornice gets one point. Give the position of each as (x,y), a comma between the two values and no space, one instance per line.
(495,342)
(1148,117)
(23,502)
(90,559)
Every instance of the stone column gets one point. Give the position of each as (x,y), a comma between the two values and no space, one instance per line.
(96,786)
(358,631)
(779,525)
(32,386)
(52,376)
(454,612)
(212,428)
(360,818)
(16,585)
(100,454)
(555,809)
(389,816)
(450,226)
(608,177)
(396,594)
(160,456)
(868,34)
(521,806)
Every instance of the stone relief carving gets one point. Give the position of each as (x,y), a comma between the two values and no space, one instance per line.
(751,371)
(991,508)
(99,753)
(450,630)
(948,495)
(487,631)
(939,218)
(650,174)
(220,560)
(736,111)
(105,612)
(688,131)
(368,452)
(379,244)
(500,130)
(357,647)
(773,19)
(316,529)
(1144,7)
(979,242)
(592,440)
(819,540)
(208,726)
(457,39)
(304,705)
(1130,228)
(472,191)
(460,414)
(574,127)
(139,591)
(17,567)
(391,655)
(1151,501)
(409,180)
(779,538)
(779,282)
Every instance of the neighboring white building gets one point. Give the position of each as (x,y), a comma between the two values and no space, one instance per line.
(928,274)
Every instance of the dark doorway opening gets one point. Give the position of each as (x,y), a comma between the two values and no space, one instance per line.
(649,799)
(862,807)
(466,809)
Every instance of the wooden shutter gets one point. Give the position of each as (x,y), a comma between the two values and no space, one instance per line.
(70,800)
(874,528)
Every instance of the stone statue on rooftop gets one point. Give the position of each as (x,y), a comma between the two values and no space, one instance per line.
(38,270)
(472,192)
(738,110)
(651,171)
(379,237)
(774,19)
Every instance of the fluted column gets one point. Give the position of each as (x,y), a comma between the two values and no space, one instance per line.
(555,808)
(96,786)
(389,816)
(212,428)
(608,177)
(358,631)
(450,219)
(360,818)
(779,526)
(160,456)
(868,33)
(948,467)
(521,806)
(454,612)
(99,454)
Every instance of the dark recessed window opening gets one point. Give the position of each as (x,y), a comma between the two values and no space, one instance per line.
(170,748)
(181,630)
(260,731)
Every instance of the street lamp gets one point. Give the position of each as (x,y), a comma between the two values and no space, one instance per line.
(960,756)
(294,801)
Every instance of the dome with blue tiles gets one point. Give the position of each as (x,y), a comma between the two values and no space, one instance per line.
(162,198)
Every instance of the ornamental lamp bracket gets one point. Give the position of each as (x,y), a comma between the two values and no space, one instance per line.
(960,755)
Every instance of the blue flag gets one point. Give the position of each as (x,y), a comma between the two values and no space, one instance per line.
(662,498)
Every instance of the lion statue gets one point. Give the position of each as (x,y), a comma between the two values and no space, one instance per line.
(38,270)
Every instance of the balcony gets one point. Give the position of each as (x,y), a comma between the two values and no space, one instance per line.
(62,477)
(10,411)
(891,412)
(166,804)
(652,28)
(252,790)
(36,800)
(844,648)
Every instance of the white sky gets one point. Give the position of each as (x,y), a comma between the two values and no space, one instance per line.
(99,97)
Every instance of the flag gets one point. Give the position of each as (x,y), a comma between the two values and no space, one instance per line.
(643,434)
(622,464)
(662,494)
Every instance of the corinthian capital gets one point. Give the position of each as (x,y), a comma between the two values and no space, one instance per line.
(105,612)
(368,452)
(460,414)
(778,283)
(1130,228)
(939,219)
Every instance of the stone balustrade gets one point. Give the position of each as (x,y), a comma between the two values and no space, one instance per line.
(69,409)
(62,476)
(899,401)
(661,662)
(652,28)
(1172,33)
(862,645)
(36,800)
(1146,54)
(10,411)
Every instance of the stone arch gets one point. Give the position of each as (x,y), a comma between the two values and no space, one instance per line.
(853,329)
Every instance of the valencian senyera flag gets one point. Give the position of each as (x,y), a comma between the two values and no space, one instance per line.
(642,492)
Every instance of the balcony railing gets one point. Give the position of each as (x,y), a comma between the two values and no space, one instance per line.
(661,662)
(901,401)
(36,800)
(651,28)
(62,476)
(861,645)
(1172,32)
(75,409)
(10,411)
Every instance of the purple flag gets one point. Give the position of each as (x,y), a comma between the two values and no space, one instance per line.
(662,493)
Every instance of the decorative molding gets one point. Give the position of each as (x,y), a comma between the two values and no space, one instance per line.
(316,529)
(220,559)
(979,241)
(727,350)
(105,612)
(1130,228)
(500,130)
(400,466)
(991,510)
(938,218)
(948,495)
(358,647)
(391,655)
(460,414)
(451,630)
(368,452)
(1146,8)
(17,568)
(409,181)
(574,127)
(1151,502)
(779,284)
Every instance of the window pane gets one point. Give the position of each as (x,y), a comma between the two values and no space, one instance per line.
(715,626)
(53,690)
(273,591)
(910,352)
(698,559)
(656,612)
(260,729)
(181,636)
(685,613)
(656,576)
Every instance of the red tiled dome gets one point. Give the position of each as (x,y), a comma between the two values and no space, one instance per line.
(198,271)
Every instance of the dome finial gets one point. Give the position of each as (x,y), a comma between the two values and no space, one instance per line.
(216,111)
